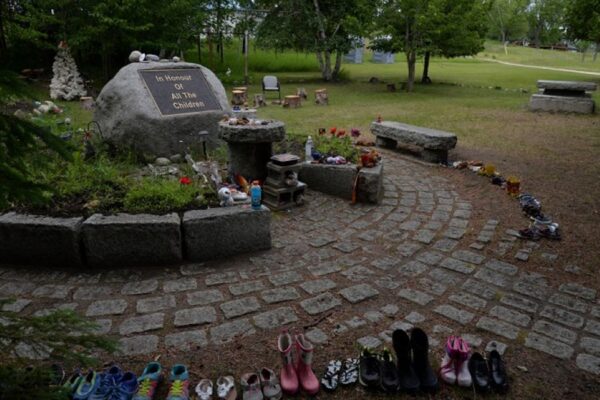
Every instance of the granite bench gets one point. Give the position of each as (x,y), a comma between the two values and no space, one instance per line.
(563,96)
(435,144)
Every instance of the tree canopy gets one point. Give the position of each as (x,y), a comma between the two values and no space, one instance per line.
(449,28)
(328,28)
(583,21)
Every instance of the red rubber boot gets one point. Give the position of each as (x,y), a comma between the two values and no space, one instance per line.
(289,378)
(304,350)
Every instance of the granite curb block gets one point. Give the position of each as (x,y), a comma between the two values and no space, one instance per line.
(37,239)
(128,240)
(221,232)
(338,180)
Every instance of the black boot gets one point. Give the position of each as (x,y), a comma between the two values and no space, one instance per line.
(409,381)
(420,347)
(497,369)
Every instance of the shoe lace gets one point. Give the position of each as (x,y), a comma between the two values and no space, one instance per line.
(176,388)
(145,386)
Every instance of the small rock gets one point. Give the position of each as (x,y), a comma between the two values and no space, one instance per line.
(176,59)
(522,368)
(176,158)
(162,161)
(134,56)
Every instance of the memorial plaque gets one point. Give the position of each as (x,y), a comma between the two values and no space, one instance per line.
(179,91)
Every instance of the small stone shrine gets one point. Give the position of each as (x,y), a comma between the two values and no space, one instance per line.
(282,190)
(250,145)
(158,109)
(563,96)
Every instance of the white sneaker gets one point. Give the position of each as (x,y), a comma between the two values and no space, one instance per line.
(464,376)
(447,371)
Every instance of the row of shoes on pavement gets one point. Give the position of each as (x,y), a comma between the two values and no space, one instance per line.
(461,367)
(114,384)
(411,370)
(541,226)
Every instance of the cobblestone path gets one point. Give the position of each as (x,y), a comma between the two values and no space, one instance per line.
(418,258)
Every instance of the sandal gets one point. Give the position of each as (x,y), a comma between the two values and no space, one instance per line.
(226,388)
(349,374)
(541,219)
(529,234)
(550,232)
(204,389)
(332,375)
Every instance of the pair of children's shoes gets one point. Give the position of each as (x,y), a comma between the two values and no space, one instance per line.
(297,374)
(262,386)
(455,364)
(225,389)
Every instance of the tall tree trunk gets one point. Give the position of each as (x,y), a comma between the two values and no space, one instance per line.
(199,43)
(411,59)
(3,46)
(322,37)
(536,37)
(425,78)
(326,71)
(338,65)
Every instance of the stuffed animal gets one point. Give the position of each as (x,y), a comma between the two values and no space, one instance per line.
(226,200)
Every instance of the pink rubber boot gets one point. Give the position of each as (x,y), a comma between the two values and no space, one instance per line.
(304,350)
(289,378)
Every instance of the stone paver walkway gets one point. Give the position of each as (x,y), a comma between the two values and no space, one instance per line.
(417,258)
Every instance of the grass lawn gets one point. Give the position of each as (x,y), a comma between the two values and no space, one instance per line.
(548,58)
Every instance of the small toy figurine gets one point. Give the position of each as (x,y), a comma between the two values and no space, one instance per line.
(226,200)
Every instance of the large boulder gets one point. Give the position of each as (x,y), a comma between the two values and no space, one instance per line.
(159,108)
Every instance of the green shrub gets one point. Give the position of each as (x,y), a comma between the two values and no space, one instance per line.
(158,196)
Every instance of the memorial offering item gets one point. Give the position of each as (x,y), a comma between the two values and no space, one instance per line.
(225,198)
(282,190)
(66,82)
(256,195)
(563,96)
(259,100)
(513,185)
(160,109)
(301,92)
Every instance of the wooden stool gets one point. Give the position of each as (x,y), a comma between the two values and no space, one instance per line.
(292,101)
(243,89)
(321,97)
(259,101)
(239,97)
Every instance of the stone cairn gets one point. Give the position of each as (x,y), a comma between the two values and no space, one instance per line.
(563,96)
(282,189)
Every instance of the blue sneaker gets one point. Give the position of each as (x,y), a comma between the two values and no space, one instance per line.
(149,381)
(125,388)
(108,380)
(179,383)
(87,386)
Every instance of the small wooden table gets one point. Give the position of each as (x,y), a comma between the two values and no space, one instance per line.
(292,101)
